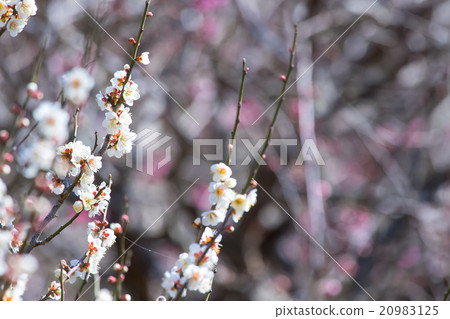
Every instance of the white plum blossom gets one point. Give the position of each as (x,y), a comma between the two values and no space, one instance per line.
(77,84)
(116,121)
(15,26)
(198,278)
(15,14)
(52,121)
(55,184)
(75,154)
(55,290)
(94,202)
(131,93)
(121,143)
(213,217)
(36,155)
(143,58)
(104,295)
(220,195)
(240,205)
(172,281)
(220,172)
(26,8)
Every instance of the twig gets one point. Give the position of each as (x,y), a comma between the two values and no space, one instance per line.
(447,294)
(61,281)
(257,164)
(95,142)
(82,286)
(75,124)
(238,112)
(15,147)
(118,288)
(51,215)
(277,110)
(136,47)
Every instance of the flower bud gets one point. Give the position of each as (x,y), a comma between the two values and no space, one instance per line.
(197,222)
(78,206)
(253,183)
(125,297)
(15,109)
(112,279)
(24,122)
(116,228)
(125,218)
(149,14)
(5,169)
(122,277)
(132,41)
(4,135)
(117,267)
(229,229)
(125,268)
(161,298)
(8,157)
(283,78)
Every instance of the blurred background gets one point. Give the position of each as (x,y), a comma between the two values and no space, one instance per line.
(376,102)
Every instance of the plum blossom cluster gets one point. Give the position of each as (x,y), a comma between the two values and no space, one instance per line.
(194,270)
(99,239)
(14,14)
(123,91)
(222,197)
(14,267)
(77,160)
(38,152)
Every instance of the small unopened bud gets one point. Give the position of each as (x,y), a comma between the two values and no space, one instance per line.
(263,156)
(116,228)
(125,218)
(247,69)
(5,169)
(161,298)
(197,222)
(291,50)
(229,229)
(283,78)
(125,268)
(33,91)
(8,157)
(253,183)
(125,297)
(63,263)
(24,122)
(230,146)
(15,109)
(78,206)
(117,267)
(132,41)
(126,67)
(149,14)
(112,279)
(32,87)
(4,135)
(122,277)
